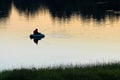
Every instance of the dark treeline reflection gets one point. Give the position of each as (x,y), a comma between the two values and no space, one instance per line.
(64,9)
(5,7)
(29,7)
(87,9)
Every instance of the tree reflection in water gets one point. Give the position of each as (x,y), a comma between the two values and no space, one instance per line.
(5,7)
(64,9)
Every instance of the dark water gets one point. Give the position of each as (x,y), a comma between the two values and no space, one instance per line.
(76,32)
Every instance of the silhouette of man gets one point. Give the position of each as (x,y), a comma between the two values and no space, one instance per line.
(35,31)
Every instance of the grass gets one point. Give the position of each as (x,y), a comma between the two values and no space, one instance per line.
(109,71)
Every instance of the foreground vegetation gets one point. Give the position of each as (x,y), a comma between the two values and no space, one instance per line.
(94,72)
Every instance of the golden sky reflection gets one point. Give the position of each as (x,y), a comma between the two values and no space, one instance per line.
(76,28)
(66,41)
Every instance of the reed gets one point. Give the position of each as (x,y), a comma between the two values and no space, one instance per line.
(110,71)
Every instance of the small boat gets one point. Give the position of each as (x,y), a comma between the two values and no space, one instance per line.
(37,36)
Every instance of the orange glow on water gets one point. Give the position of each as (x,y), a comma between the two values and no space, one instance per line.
(73,41)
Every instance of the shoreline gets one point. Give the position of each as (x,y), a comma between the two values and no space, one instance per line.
(108,71)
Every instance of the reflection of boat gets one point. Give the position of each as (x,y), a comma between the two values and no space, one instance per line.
(37,36)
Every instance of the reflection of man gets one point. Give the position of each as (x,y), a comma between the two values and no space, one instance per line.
(36,41)
(35,31)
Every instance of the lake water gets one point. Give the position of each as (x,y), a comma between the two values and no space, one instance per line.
(73,40)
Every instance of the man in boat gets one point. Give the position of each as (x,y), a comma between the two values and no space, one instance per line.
(35,31)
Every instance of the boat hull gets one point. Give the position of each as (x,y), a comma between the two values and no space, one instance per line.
(37,36)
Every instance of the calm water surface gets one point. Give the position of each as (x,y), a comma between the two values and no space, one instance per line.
(73,41)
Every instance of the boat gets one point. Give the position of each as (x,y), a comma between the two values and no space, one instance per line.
(37,36)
